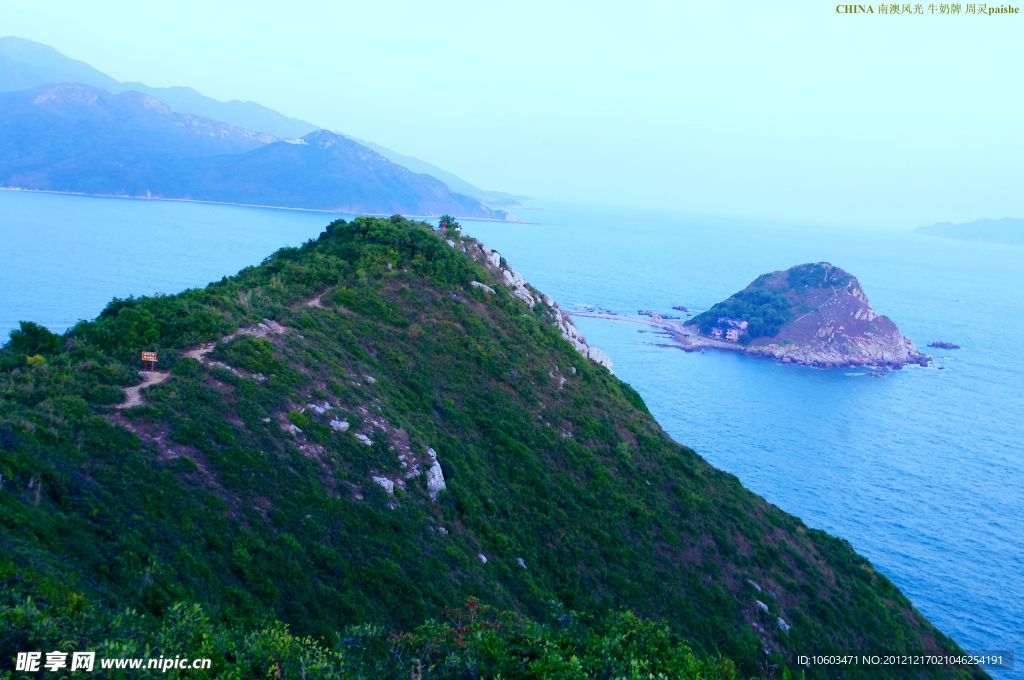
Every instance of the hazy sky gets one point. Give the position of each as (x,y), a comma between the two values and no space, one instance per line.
(782,110)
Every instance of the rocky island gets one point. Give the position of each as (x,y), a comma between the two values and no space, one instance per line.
(812,314)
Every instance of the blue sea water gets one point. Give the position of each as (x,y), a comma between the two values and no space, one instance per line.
(62,258)
(922,470)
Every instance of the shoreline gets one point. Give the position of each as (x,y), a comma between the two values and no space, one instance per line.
(688,340)
(682,333)
(249,205)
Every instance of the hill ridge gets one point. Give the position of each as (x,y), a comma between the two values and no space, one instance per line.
(237,485)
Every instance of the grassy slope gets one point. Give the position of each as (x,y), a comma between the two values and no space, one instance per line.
(201,495)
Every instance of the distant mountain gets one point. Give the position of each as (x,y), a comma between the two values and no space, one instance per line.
(491,198)
(25,64)
(324,171)
(73,137)
(1005,230)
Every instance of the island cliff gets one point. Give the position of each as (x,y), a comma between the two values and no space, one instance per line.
(812,314)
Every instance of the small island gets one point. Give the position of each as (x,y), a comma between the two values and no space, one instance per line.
(1006,230)
(811,314)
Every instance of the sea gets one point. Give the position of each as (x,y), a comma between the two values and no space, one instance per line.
(921,470)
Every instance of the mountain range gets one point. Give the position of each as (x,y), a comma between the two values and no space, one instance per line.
(43,153)
(26,64)
(78,138)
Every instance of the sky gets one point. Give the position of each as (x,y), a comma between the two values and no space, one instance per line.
(781,111)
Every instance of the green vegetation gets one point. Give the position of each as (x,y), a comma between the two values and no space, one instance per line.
(472,641)
(225,507)
(448,223)
(817,275)
(766,311)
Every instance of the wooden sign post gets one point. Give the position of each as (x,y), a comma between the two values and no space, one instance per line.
(150,359)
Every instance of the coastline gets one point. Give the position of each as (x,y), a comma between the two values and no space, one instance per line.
(515,220)
(687,339)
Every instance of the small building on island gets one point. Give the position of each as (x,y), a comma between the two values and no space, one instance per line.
(730,329)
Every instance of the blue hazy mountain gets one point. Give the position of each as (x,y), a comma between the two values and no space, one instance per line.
(78,138)
(455,183)
(1005,230)
(25,64)
(324,171)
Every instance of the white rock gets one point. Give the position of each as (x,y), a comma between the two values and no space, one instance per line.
(385,484)
(512,278)
(521,562)
(599,356)
(523,294)
(435,476)
(442,531)
(317,409)
(370,379)
(762,606)
(482,286)
(293,428)
(483,558)
(493,258)
(339,425)
(783,625)
(364,439)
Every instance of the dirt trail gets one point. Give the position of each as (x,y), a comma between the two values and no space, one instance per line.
(133,394)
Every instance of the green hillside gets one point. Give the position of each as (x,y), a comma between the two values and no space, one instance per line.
(240,494)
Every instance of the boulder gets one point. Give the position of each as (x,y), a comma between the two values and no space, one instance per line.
(385,483)
(435,476)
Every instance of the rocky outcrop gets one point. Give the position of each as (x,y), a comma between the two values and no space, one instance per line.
(385,483)
(435,476)
(521,289)
(812,314)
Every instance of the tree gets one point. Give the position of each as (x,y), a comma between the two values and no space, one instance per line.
(448,223)
(31,339)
